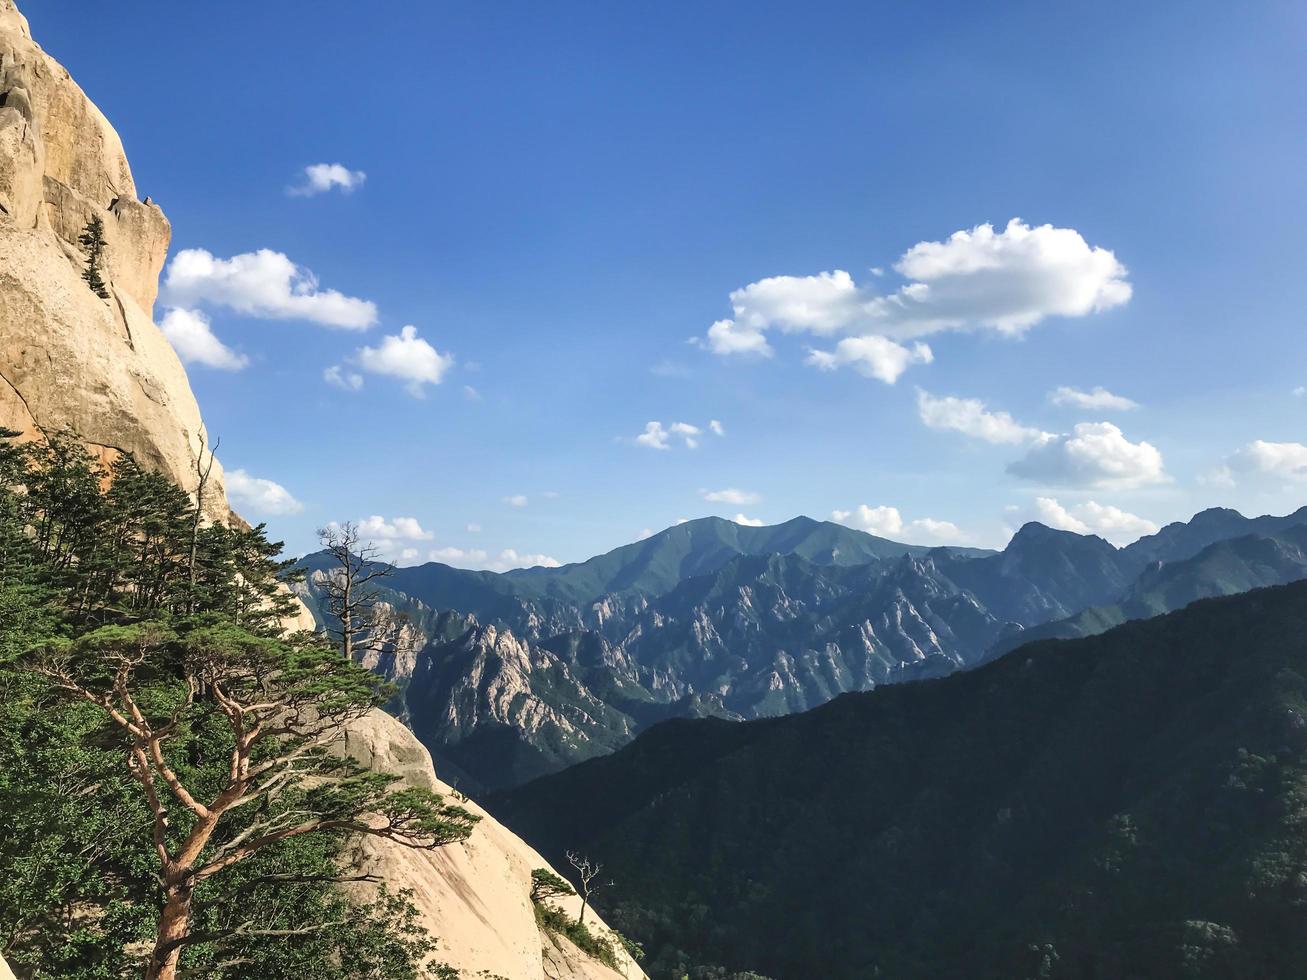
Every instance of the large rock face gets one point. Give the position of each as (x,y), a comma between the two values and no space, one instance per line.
(473,897)
(70,360)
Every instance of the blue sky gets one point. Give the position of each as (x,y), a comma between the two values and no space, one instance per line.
(561,200)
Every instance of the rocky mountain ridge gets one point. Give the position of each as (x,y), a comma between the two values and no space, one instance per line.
(69,360)
(505,682)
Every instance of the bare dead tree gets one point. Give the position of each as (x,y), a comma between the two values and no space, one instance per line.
(202,472)
(358,617)
(286,704)
(587,871)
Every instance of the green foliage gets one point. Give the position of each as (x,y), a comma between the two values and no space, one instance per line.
(127,626)
(545,884)
(92,242)
(1129,805)
(590,941)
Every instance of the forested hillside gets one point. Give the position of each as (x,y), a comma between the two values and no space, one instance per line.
(171,802)
(1128,805)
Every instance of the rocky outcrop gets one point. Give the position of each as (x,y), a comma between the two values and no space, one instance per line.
(473,897)
(69,360)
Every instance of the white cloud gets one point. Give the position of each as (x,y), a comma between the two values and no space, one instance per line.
(1098,399)
(1049,511)
(1282,460)
(732,496)
(322,177)
(1094,455)
(191,337)
(728,337)
(872,356)
(516,500)
(258,495)
(874,520)
(1116,525)
(377,528)
(658,436)
(477,558)
(688,433)
(263,284)
(342,378)
(407,357)
(474,529)
(644,533)
(931,531)
(716,427)
(888,522)
(471,394)
(1006,281)
(971,417)
(747,521)
(1300,391)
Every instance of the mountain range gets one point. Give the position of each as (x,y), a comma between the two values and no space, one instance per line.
(507,677)
(1125,805)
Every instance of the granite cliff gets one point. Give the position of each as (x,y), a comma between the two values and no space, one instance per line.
(71,361)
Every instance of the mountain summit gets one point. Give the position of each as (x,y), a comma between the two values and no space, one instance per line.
(511,676)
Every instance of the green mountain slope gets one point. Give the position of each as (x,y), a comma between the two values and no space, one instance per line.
(725,622)
(1223,568)
(1128,805)
(663,560)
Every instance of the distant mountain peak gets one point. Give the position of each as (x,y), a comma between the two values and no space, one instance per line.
(1035,533)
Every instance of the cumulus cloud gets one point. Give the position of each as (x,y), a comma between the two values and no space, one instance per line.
(872,356)
(1281,460)
(1097,399)
(888,522)
(322,177)
(1116,525)
(732,496)
(342,378)
(263,284)
(971,417)
(728,337)
(477,558)
(407,357)
(252,493)
(1095,455)
(658,436)
(1005,281)
(377,528)
(191,337)
(747,521)
(516,500)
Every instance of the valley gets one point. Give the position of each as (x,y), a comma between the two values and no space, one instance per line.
(507,677)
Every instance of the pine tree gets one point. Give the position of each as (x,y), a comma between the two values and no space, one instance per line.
(92,241)
(166,752)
